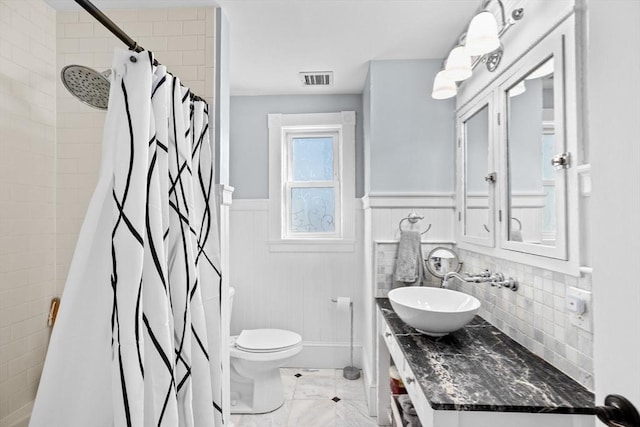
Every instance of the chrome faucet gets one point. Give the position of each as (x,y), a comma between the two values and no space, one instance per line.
(449,275)
(496,279)
(484,276)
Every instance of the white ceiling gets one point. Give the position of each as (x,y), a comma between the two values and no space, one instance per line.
(273,40)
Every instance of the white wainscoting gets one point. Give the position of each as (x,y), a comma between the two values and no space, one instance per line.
(293,290)
(382,215)
(388,209)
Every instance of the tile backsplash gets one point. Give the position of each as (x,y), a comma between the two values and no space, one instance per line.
(535,316)
(386,254)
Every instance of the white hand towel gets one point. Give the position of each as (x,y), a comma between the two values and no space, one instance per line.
(409,264)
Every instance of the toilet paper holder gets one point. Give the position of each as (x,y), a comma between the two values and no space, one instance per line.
(349,372)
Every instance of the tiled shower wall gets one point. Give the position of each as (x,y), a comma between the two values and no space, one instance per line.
(27,198)
(50,145)
(183,39)
(534,316)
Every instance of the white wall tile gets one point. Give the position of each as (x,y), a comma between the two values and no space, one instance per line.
(168,28)
(123,16)
(63,17)
(155,15)
(195,27)
(183,43)
(80,30)
(183,14)
(27,187)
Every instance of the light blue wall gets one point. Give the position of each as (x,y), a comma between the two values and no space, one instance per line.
(411,137)
(249,138)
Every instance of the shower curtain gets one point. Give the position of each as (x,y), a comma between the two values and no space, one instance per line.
(138,336)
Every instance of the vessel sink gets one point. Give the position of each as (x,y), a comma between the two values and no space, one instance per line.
(433,311)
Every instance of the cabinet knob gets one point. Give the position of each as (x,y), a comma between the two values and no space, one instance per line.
(410,380)
(387,334)
(561,161)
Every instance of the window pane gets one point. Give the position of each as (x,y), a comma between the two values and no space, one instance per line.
(312,210)
(313,159)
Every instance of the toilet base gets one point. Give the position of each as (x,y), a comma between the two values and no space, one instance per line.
(259,393)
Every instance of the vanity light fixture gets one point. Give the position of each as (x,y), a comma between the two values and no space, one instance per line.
(458,66)
(480,43)
(482,34)
(443,87)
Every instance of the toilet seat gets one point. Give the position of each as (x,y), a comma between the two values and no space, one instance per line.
(266,340)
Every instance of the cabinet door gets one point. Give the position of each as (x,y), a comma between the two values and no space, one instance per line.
(534,147)
(477,177)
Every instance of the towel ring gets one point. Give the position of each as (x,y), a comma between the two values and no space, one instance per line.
(413,218)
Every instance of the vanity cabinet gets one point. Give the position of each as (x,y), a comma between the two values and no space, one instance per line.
(520,159)
(475,377)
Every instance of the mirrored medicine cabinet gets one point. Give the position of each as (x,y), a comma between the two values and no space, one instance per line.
(477,176)
(513,156)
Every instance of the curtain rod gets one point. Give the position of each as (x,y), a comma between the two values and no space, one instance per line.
(118,32)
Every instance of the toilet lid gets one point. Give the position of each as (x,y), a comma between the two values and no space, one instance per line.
(260,340)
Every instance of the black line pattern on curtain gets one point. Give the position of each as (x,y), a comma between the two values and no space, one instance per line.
(175,257)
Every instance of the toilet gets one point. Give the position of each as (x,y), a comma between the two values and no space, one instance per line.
(256,355)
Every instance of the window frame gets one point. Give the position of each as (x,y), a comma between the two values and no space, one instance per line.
(281,128)
(289,134)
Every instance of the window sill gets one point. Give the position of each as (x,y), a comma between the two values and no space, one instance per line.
(300,245)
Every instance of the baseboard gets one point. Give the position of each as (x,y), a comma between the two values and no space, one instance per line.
(326,355)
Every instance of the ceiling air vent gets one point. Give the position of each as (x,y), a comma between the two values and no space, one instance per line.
(317,78)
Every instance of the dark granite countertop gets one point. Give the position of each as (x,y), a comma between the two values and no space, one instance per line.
(479,368)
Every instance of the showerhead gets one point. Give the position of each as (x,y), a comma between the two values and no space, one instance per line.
(88,85)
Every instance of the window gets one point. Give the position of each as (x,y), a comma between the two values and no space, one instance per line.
(312,179)
(312,185)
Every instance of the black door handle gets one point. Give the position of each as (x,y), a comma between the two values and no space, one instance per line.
(618,412)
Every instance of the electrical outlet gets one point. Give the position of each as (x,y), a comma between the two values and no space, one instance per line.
(578,303)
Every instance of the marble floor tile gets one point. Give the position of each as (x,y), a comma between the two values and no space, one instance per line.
(354,413)
(312,412)
(330,373)
(315,387)
(289,384)
(349,389)
(315,398)
(277,418)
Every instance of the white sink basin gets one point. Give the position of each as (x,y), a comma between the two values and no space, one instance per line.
(433,311)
